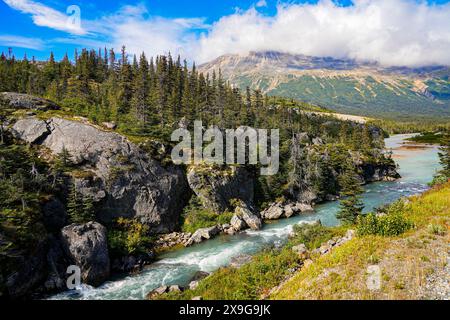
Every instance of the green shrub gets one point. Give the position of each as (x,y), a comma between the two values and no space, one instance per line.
(392,224)
(249,282)
(313,235)
(128,236)
(436,229)
(196,217)
(438,180)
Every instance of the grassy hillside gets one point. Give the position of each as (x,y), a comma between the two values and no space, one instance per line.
(405,261)
(369,97)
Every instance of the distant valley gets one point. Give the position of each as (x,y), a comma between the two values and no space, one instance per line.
(346,86)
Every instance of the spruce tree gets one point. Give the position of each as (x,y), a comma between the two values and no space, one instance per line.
(351,205)
(350,209)
(444,156)
(74,206)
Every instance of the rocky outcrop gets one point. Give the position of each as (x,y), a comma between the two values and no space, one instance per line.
(274,212)
(201,235)
(171,240)
(122,179)
(54,214)
(237,223)
(13,100)
(279,210)
(335,242)
(216,187)
(28,272)
(248,215)
(314,176)
(157,292)
(198,276)
(86,245)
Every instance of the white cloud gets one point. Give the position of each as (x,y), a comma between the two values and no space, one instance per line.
(132,27)
(21,42)
(401,32)
(392,32)
(45,16)
(261,3)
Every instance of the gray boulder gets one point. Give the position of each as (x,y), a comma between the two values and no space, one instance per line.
(157,292)
(237,223)
(244,211)
(175,288)
(289,210)
(201,235)
(123,179)
(193,285)
(86,245)
(216,187)
(274,212)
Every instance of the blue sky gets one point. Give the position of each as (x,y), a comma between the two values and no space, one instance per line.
(407,32)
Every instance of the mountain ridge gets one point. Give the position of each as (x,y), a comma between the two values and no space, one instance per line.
(361,88)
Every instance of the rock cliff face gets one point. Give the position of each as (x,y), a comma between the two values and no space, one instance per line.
(314,175)
(216,188)
(121,178)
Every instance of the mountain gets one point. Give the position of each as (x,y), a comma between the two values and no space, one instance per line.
(360,88)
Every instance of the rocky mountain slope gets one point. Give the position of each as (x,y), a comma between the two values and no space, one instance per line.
(342,85)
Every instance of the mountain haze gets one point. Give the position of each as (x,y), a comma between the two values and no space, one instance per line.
(361,88)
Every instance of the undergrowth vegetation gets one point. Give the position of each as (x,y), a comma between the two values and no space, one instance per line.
(196,217)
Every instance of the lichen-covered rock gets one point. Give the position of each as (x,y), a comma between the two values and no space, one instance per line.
(13,100)
(122,179)
(86,244)
(217,187)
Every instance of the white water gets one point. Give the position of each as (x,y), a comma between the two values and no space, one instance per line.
(416,167)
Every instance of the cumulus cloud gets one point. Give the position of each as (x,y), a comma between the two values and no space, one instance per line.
(391,32)
(21,42)
(261,3)
(134,28)
(400,32)
(46,16)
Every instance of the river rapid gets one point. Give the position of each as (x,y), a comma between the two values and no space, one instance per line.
(416,166)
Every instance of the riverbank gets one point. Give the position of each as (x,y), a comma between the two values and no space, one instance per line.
(411,265)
